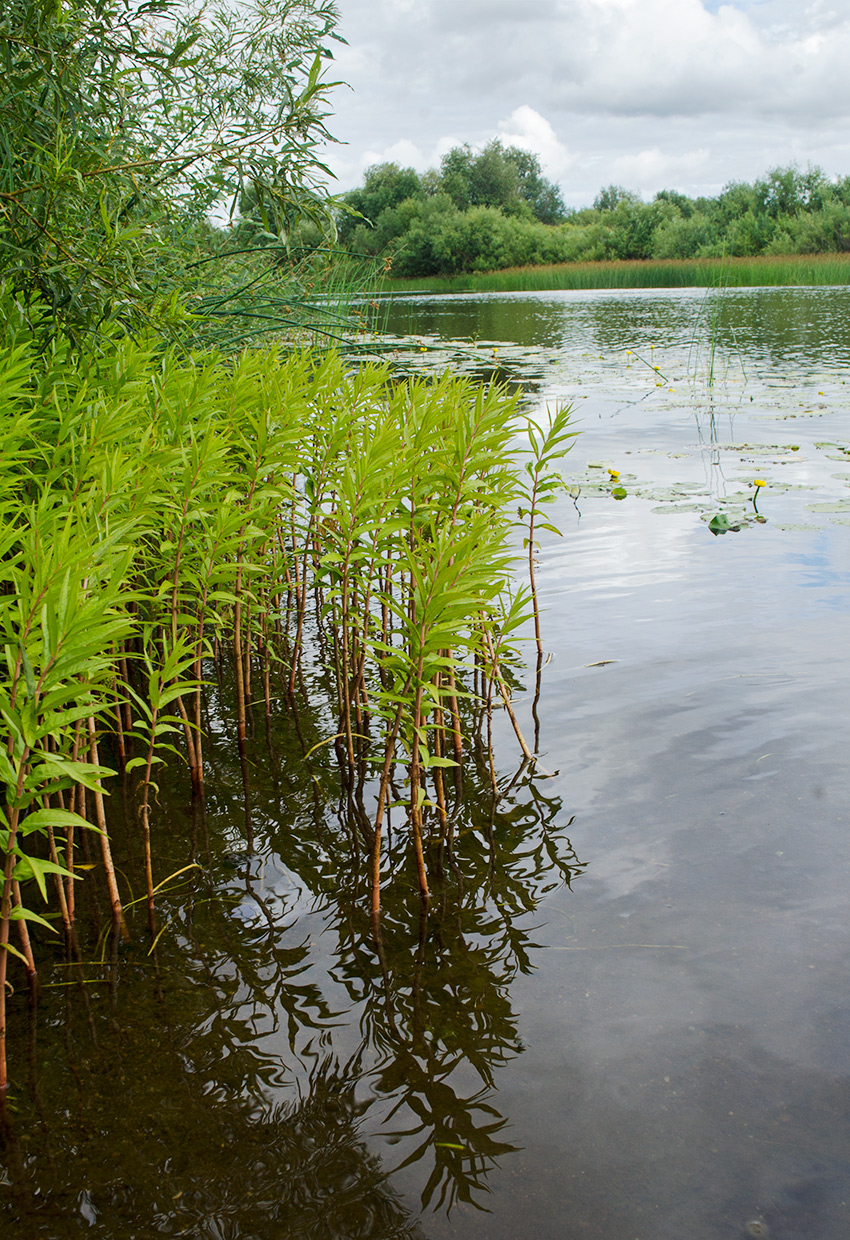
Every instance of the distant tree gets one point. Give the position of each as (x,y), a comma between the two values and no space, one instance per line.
(386,186)
(683,236)
(840,190)
(788,191)
(609,198)
(733,202)
(683,205)
(543,196)
(456,176)
(494,179)
(431,183)
(633,224)
(491,208)
(505,177)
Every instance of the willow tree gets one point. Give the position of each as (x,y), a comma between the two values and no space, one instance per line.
(124,125)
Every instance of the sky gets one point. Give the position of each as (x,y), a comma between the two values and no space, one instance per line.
(648,94)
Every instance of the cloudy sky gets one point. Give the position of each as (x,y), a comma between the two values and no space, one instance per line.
(650,94)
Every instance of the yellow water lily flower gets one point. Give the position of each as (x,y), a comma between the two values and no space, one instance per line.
(759,482)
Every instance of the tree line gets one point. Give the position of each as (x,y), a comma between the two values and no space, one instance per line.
(495,209)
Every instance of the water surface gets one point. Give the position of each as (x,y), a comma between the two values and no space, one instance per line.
(627,1015)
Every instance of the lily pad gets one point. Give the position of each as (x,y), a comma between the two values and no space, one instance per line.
(669,508)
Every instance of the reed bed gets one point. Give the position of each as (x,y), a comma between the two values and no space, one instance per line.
(168,520)
(761,270)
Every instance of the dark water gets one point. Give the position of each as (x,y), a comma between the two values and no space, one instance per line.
(627,1016)
(804,326)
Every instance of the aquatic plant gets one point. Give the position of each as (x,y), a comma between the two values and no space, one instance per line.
(760,270)
(330,539)
(541,485)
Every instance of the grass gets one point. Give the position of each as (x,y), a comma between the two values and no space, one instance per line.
(763,270)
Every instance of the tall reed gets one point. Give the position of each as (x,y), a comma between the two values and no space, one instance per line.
(761,270)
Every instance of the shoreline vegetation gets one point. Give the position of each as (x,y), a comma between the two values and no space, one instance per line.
(493,210)
(759,271)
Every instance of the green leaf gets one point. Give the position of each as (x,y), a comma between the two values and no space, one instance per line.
(19,913)
(53,767)
(14,951)
(37,868)
(720,524)
(29,674)
(41,819)
(429,760)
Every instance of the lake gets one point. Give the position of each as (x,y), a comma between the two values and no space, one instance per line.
(627,1014)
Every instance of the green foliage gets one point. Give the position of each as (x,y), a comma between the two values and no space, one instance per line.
(482,210)
(159,509)
(493,210)
(541,485)
(386,186)
(613,196)
(121,126)
(767,270)
(507,178)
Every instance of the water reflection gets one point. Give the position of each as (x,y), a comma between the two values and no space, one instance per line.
(272,1063)
(804,328)
(184,1160)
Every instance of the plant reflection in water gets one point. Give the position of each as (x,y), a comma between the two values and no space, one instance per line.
(273,1061)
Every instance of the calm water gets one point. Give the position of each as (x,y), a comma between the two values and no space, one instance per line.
(627,1016)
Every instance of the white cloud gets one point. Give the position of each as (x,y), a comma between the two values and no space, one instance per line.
(408,154)
(692,92)
(403,152)
(674,57)
(647,170)
(527,129)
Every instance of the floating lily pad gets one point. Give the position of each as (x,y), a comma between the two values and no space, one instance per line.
(670,508)
(838,505)
(749,448)
(671,456)
(669,494)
